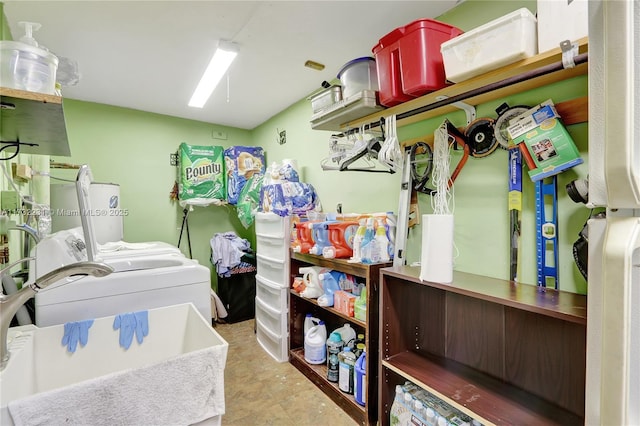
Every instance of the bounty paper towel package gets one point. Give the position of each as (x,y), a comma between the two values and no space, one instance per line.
(202,179)
(241,163)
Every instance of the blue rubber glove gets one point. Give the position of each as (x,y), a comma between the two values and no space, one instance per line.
(75,332)
(126,323)
(129,324)
(142,325)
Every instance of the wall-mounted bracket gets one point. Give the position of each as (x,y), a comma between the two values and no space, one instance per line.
(469,110)
(569,52)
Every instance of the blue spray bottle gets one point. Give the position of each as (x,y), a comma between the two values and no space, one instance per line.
(368,242)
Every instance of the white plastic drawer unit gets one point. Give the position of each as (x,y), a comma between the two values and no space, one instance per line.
(271,294)
(275,345)
(272,225)
(274,248)
(274,270)
(274,320)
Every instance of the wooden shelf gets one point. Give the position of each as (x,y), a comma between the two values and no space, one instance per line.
(300,306)
(331,310)
(343,265)
(484,398)
(518,68)
(33,118)
(501,352)
(549,302)
(318,375)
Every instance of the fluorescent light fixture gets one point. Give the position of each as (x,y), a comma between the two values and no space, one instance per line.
(222,58)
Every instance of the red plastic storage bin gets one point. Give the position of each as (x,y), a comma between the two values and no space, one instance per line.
(409,62)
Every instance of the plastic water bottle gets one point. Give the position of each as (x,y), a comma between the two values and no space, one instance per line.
(360,380)
(314,344)
(334,347)
(347,362)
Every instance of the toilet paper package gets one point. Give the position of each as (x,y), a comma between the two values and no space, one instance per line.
(201,174)
(241,163)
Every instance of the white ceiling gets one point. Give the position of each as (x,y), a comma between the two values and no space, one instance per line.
(149,55)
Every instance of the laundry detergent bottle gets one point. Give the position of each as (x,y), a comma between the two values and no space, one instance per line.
(314,344)
(334,347)
(330,286)
(346,365)
(341,235)
(320,237)
(304,237)
(360,379)
(310,277)
(348,335)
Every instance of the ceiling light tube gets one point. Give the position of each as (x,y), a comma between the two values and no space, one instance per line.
(222,58)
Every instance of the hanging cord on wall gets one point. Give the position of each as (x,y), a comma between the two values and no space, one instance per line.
(442,198)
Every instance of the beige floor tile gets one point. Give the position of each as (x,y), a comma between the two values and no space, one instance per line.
(262,391)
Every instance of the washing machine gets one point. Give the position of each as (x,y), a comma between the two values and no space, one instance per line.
(105,197)
(137,284)
(146,275)
(149,279)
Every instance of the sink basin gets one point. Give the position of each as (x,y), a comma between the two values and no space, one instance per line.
(40,367)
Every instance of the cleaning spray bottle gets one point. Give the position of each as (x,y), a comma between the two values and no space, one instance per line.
(382,244)
(357,242)
(368,242)
(360,305)
(330,286)
(360,379)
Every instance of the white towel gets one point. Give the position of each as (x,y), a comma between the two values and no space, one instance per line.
(180,391)
(112,246)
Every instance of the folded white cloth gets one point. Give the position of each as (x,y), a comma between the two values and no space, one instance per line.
(111,246)
(179,391)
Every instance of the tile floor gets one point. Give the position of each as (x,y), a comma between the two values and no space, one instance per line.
(261,391)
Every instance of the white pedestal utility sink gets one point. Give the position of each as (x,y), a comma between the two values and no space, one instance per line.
(175,376)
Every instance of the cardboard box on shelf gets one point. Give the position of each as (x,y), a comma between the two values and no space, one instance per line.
(546,146)
(344,302)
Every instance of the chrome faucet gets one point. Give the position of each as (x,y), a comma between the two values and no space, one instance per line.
(10,304)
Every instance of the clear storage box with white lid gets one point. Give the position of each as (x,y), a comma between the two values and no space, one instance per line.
(358,75)
(26,66)
(501,42)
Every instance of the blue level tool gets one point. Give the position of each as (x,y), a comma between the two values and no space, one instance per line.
(547,230)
